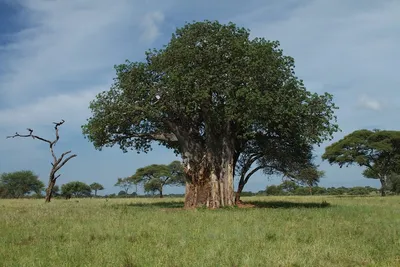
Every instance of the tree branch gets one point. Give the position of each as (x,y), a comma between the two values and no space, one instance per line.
(252,172)
(62,156)
(57,124)
(29,135)
(63,163)
(164,137)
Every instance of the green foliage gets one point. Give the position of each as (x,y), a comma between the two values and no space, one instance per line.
(125,183)
(378,151)
(211,81)
(288,186)
(291,188)
(19,184)
(393,184)
(96,187)
(56,190)
(273,190)
(308,176)
(76,189)
(154,177)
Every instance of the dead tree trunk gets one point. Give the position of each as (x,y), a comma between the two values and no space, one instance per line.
(58,162)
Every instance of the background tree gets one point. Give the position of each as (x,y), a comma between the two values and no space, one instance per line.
(273,190)
(3,191)
(154,177)
(122,193)
(75,189)
(57,163)
(95,187)
(308,176)
(393,183)
(272,155)
(20,183)
(288,186)
(56,190)
(377,151)
(206,94)
(125,184)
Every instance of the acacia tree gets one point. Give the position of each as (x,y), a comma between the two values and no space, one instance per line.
(18,184)
(308,176)
(96,187)
(205,95)
(378,151)
(58,162)
(125,184)
(154,177)
(75,189)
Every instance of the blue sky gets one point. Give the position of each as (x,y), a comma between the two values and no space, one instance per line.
(55,56)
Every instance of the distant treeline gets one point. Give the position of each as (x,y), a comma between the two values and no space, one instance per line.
(279,190)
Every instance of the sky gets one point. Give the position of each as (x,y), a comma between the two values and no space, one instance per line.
(55,56)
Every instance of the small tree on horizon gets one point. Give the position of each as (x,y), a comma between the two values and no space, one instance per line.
(154,177)
(125,184)
(75,189)
(96,187)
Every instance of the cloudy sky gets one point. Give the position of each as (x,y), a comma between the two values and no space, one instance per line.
(55,56)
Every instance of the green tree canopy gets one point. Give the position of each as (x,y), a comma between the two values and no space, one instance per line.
(20,183)
(154,177)
(96,187)
(273,155)
(378,151)
(393,183)
(125,184)
(76,189)
(56,190)
(309,176)
(206,94)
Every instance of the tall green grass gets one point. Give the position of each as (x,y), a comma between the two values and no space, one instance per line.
(279,231)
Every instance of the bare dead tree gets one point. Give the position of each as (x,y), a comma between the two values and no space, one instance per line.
(57,163)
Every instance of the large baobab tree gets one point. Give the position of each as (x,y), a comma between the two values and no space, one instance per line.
(58,162)
(207,94)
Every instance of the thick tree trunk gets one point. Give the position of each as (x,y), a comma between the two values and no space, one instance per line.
(210,185)
(161,193)
(95,192)
(49,190)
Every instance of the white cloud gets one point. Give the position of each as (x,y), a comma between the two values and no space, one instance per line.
(73,108)
(70,44)
(369,103)
(347,48)
(150,30)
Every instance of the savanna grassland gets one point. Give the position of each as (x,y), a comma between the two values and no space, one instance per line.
(279,231)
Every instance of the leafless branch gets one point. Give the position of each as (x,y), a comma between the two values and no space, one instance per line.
(57,163)
(65,161)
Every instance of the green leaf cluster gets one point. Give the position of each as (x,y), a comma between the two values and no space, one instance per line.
(20,183)
(210,82)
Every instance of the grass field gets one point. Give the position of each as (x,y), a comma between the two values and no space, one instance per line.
(286,231)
